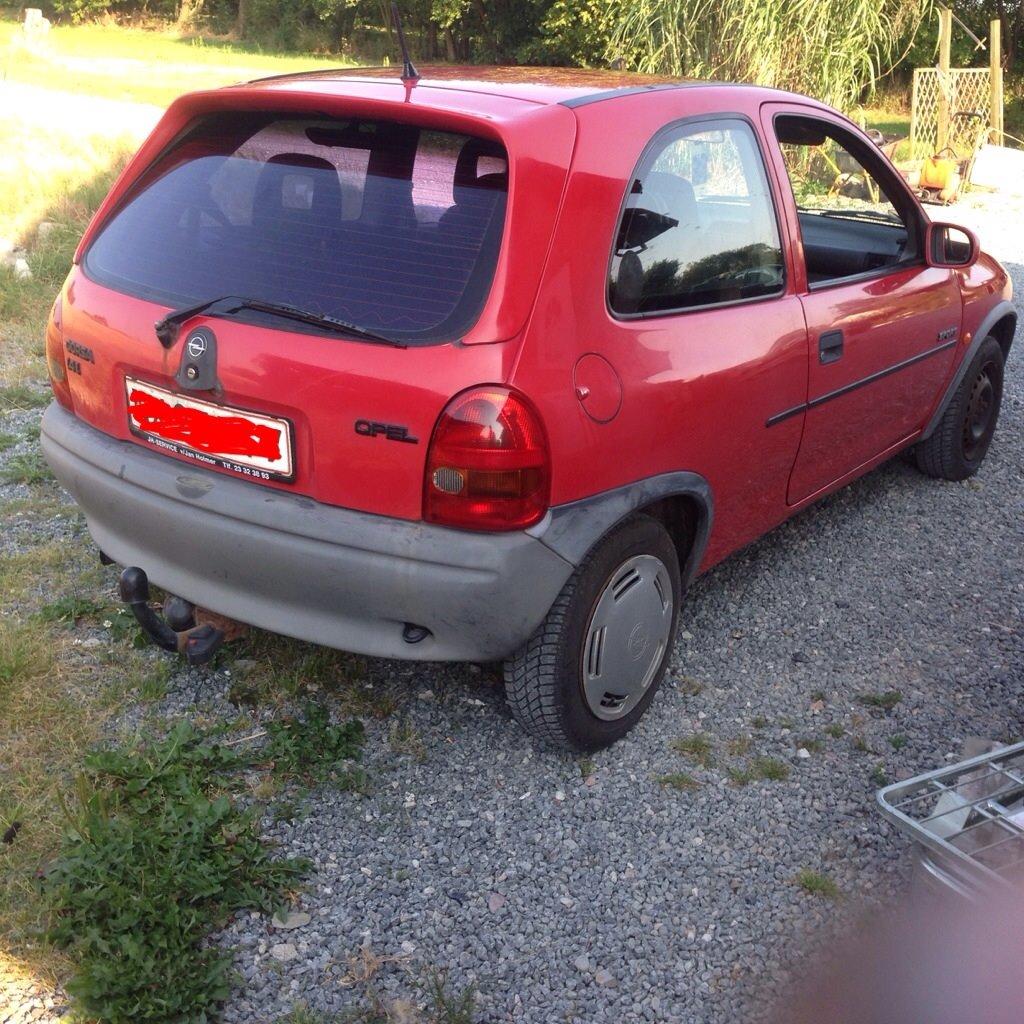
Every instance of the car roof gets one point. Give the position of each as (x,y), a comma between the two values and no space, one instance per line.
(523,85)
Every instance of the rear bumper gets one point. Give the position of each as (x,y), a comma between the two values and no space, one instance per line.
(286,563)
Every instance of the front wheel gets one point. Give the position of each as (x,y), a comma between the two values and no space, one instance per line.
(957,447)
(591,668)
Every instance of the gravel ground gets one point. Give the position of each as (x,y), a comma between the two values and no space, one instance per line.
(585,891)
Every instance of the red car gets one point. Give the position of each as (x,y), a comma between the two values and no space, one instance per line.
(489,365)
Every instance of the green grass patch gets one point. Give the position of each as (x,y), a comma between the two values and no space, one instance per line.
(759,722)
(21,396)
(884,701)
(155,856)
(690,687)
(897,742)
(8,441)
(71,608)
(144,66)
(878,776)
(25,654)
(677,780)
(30,468)
(313,750)
(812,745)
(760,769)
(739,746)
(817,884)
(404,739)
(835,730)
(697,747)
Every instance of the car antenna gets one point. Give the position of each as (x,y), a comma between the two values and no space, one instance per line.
(410,76)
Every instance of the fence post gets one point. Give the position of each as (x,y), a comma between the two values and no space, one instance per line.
(945,43)
(995,63)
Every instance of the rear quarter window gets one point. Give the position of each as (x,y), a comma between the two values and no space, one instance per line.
(390,227)
(698,226)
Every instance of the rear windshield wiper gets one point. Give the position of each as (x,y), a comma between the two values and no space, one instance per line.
(167,328)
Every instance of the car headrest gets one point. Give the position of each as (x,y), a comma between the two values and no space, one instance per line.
(673,195)
(285,191)
(467,176)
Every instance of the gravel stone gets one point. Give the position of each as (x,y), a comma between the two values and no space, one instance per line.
(627,899)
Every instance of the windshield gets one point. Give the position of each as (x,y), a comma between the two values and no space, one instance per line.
(389,227)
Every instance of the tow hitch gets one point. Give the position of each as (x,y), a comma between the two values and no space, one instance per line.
(183,628)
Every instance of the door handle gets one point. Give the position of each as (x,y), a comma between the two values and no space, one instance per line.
(830,347)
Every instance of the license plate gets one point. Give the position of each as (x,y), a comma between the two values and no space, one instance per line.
(247,443)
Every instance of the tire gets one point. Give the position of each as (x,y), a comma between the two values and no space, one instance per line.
(958,445)
(578,688)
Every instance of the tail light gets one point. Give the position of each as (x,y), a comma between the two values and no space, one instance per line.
(54,345)
(488,465)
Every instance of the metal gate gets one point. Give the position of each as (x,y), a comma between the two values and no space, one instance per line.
(942,108)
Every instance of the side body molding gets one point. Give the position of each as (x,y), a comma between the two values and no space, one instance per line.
(999,312)
(571,530)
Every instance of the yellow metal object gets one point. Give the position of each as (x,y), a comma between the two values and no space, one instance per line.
(939,172)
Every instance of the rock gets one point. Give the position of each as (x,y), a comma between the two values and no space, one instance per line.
(803,753)
(495,902)
(582,963)
(242,667)
(284,951)
(45,229)
(290,920)
(22,269)
(604,979)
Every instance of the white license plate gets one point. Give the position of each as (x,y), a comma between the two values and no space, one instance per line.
(247,443)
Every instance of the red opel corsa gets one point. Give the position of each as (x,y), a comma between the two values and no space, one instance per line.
(490,364)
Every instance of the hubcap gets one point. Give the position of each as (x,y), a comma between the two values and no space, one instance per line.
(627,636)
(979,418)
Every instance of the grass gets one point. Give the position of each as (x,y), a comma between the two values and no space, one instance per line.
(690,687)
(677,780)
(898,742)
(30,468)
(71,608)
(814,883)
(760,769)
(155,855)
(145,66)
(404,739)
(835,730)
(21,396)
(812,745)
(884,701)
(878,775)
(697,747)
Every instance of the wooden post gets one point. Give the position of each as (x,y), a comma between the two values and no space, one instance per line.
(995,64)
(945,42)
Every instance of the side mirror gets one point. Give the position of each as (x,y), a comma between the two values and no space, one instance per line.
(950,245)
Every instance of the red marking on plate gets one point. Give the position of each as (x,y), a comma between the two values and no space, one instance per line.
(218,435)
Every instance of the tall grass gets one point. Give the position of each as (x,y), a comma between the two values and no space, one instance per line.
(831,49)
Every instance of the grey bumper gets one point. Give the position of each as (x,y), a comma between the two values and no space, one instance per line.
(286,563)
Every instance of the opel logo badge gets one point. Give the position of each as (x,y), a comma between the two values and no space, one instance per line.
(196,346)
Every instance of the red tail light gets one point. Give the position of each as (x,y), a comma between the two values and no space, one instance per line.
(488,466)
(54,346)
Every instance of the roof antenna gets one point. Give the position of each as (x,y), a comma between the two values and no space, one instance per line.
(410,76)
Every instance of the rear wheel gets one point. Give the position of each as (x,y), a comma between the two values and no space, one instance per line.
(957,447)
(591,669)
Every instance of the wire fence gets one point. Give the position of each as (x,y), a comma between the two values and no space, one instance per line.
(960,119)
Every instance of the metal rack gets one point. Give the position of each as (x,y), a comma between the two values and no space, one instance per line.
(968,819)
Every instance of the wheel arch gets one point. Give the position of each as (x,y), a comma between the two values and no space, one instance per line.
(682,501)
(1001,324)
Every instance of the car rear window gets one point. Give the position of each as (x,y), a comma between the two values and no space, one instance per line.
(390,227)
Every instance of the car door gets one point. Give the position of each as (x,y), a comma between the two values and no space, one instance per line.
(883,325)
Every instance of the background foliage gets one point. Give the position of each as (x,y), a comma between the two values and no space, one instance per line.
(834,49)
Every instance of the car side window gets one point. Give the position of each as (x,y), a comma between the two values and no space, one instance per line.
(698,227)
(853,218)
